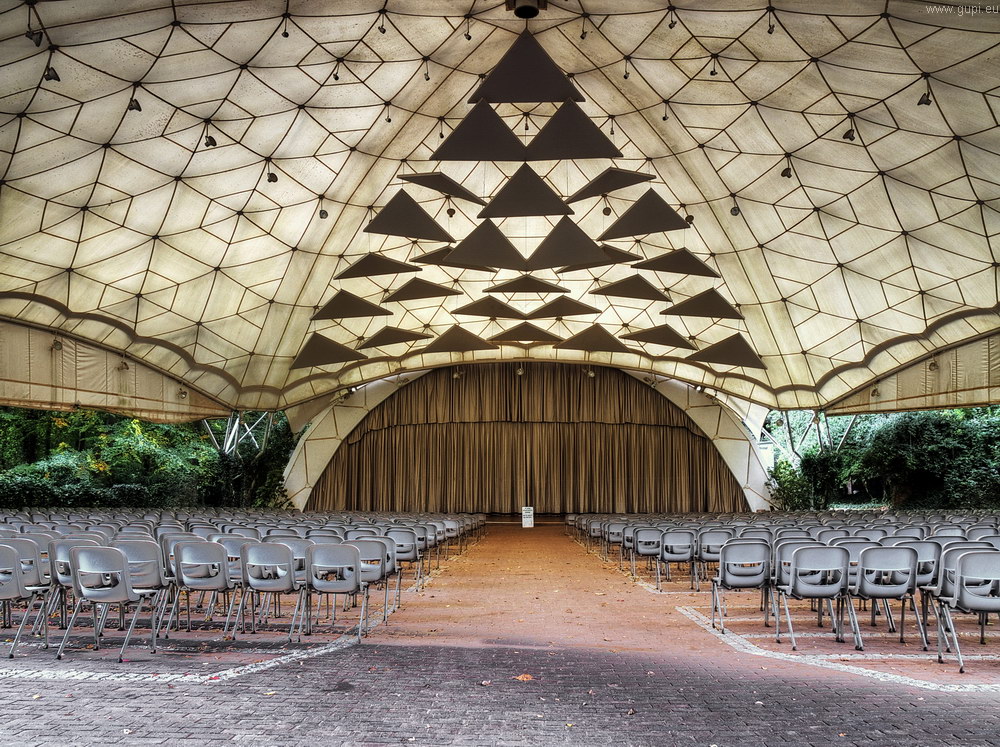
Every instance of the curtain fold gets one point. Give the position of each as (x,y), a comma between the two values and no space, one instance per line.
(553,438)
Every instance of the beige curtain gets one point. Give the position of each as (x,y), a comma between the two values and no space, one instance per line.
(553,438)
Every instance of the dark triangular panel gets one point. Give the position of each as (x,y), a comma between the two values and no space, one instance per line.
(402,216)
(662,335)
(418,288)
(570,133)
(634,286)
(526,332)
(458,340)
(481,136)
(526,75)
(490,307)
(594,339)
(322,351)
(681,262)
(525,194)
(346,305)
(608,181)
(733,351)
(392,336)
(562,307)
(371,265)
(527,284)
(614,256)
(444,184)
(566,244)
(649,214)
(441,256)
(487,245)
(708,304)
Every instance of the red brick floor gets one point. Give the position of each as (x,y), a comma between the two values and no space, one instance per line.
(526,638)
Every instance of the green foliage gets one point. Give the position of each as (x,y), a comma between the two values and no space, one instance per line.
(941,459)
(89,458)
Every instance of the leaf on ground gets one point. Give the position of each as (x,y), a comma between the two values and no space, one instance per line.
(523,677)
(486,683)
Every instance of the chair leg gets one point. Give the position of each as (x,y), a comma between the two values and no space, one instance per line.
(921,624)
(131,629)
(363,621)
(788,618)
(69,627)
(20,628)
(946,610)
(859,643)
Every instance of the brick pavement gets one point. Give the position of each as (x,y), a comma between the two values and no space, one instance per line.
(609,662)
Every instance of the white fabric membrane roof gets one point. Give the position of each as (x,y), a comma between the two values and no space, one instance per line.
(120,226)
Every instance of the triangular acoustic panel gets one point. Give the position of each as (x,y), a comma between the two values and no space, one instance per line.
(371,265)
(708,304)
(608,181)
(322,351)
(634,286)
(402,216)
(525,75)
(526,332)
(346,305)
(732,351)
(444,184)
(562,307)
(566,244)
(441,257)
(392,336)
(649,214)
(680,261)
(487,246)
(594,339)
(418,288)
(527,284)
(614,256)
(570,133)
(525,194)
(663,335)
(490,307)
(481,136)
(457,340)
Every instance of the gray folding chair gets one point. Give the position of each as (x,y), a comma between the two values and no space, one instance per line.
(743,564)
(820,573)
(335,569)
(976,590)
(14,588)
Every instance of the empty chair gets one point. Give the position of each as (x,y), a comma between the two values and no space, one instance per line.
(335,569)
(148,576)
(874,534)
(885,573)
(353,534)
(974,590)
(373,564)
(742,565)
(979,531)
(825,535)
(269,570)
(101,577)
(407,550)
(646,543)
(678,546)
(61,578)
(203,566)
(14,589)
(710,542)
(819,573)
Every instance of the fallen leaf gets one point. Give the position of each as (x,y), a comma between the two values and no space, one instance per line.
(35,697)
(631,712)
(486,683)
(523,677)
(271,692)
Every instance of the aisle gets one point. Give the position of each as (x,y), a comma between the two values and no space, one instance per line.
(537,587)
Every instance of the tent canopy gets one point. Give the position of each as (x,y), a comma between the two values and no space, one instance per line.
(188,183)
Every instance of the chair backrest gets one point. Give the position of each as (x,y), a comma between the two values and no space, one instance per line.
(647,541)
(872,533)
(12,586)
(783,549)
(406,543)
(390,552)
(372,559)
(202,565)
(710,542)
(819,572)
(333,569)
(757,533)
(993,539)
(32,568)
(100,574)
(268,566)
(825,535)
(353,534)
(977,581)
(59,558)
(744,563)
(678,545)
(886,572)
(949,562)
(145,562)
(981,530)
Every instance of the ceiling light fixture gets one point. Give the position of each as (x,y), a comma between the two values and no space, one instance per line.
(925,100)
(468,27)
(787,171)
(735,209)
(57,344)
(388,115)
(590,373)
(336,68)
(526,8)
(134,105)
(770,19)
(850,134)
(714,71)
(427,68)
(673,17)
(51,74)
(35,36)
(519,371)
(583,26)
(381,21)
(626,61)
(666,115)
(323,214)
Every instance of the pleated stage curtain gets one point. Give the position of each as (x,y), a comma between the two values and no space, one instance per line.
(553,438)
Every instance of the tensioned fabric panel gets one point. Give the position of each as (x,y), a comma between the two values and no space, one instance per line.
(484,438)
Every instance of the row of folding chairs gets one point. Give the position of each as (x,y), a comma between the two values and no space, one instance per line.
(950,574)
